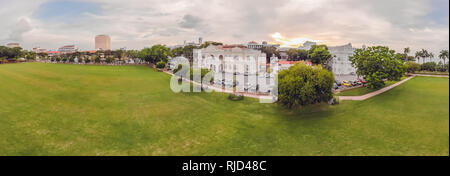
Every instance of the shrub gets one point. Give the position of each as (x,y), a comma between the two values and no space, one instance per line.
(161,65)
(428,66)
(234,97)
(303,85)
(412,67)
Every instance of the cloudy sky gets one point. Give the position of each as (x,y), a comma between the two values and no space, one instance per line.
(139,23)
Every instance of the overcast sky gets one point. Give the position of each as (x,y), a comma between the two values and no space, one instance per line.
(139,23)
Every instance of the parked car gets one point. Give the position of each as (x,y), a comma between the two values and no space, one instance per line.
(362,81)
(346,83)
(338,83)
(354,83)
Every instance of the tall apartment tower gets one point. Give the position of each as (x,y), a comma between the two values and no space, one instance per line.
(102,42)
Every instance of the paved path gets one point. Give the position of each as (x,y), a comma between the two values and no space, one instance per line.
(371,94)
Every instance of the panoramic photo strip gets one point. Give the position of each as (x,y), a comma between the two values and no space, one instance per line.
(224,86)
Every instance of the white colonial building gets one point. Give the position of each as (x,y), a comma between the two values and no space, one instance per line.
(230,59)
(341,64)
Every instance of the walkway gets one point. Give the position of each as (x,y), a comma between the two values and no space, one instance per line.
(374,93)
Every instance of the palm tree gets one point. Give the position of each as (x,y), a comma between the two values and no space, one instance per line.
(418,55)
(430,55)
(424,54)
(406,51)
(443,55)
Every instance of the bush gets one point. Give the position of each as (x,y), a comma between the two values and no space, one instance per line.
(161,65)
(303,85)
(428,66)
(234,97)
(412,67)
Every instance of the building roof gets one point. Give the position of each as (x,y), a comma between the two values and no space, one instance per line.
(293,62)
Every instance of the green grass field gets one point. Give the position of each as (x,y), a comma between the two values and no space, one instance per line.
(53,109)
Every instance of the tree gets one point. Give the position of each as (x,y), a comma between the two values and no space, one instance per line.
(319,54)
(443,55)
(412,67)
(422,54)
(418,55)
(430,55)
(406,51)
(270,51)
(376,64)
(207,43)
(292,54)
(428,66)
(303,85)
(161,64)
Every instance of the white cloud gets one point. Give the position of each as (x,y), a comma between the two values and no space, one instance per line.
(139,23)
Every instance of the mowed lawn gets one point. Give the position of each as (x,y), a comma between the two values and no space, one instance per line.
(55,109)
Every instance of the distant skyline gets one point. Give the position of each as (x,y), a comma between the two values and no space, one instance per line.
(137,24)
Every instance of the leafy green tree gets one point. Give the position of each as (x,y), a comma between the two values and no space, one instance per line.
(292,54)
(319,54)
(155,54)
(376,64)
(161,64)
(412,67)
(428,66)
(270,51)
(303,85)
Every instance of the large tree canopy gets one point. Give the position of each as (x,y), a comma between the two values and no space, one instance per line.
(155,54)
(376,64)
(303,85)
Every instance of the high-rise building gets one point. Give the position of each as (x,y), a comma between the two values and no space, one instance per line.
(102,42)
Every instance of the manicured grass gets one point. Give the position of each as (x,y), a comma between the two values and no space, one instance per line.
(432,73)
(364,90)
(53,109)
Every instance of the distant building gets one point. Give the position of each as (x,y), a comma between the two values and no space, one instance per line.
(254,45)
(257,46)
(225,58)
(39,50)
(102,42)
(12,45)
(200,42)
(307,45)
(68,49)
(53,53)
(341,64)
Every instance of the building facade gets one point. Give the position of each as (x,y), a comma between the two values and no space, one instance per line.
(68,49)
(230,59)
(12,45)
(102,42)
(341,64)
